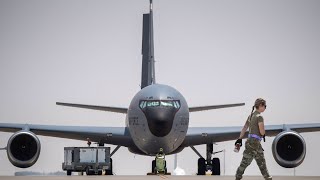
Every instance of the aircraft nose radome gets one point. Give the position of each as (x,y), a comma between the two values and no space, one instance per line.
(160,120)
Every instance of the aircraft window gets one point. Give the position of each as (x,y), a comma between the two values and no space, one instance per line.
(167,103)
(176,104)
(143,104)
(153,103)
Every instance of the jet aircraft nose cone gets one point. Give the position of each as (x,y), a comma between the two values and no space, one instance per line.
(160,119)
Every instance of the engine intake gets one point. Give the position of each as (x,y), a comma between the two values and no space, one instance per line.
(23,149)
(289,149)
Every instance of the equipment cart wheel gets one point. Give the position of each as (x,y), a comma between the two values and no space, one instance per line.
(89,171)
(100,172)
(69,172)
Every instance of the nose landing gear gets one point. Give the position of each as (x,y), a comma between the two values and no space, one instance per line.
(159,165)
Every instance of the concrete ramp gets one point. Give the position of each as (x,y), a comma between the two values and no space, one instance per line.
(155,177)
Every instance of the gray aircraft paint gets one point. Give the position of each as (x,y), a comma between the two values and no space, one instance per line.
(137,122)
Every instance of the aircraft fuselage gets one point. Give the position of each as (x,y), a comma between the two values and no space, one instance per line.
(158,117)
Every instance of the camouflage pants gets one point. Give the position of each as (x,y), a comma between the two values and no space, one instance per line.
(253,151)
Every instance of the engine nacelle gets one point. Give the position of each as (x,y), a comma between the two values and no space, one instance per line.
(289,149)
(23,149)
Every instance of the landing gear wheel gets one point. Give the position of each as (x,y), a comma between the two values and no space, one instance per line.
(215,166)
(165,167)
(109,171)
(69,172)
(201,166)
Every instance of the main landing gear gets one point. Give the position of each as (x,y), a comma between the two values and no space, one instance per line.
(209,166)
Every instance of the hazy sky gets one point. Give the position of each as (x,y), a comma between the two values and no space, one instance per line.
(213,52)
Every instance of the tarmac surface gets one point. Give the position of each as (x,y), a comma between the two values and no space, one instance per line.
(155,177)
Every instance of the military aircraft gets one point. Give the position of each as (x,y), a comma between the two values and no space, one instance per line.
(157,117)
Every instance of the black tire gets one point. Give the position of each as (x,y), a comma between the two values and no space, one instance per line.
(92,172)
(99,172)
(88,171)
(165,167)
(69,172)
(153,168)
(110,171)
(201,166)
(216,166)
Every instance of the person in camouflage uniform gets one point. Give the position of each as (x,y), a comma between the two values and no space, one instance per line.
(253,148)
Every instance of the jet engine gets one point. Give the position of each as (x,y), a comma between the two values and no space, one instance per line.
(23,149)
(289,149)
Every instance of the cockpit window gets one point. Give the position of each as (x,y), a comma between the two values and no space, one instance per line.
(153,103)
(176,104)
(164,103)
(143,104)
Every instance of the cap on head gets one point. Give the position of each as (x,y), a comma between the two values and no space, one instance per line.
(259,102)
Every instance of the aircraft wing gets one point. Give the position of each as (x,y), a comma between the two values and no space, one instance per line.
(206,135)
(205,108)
(109,135)
(94,107)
